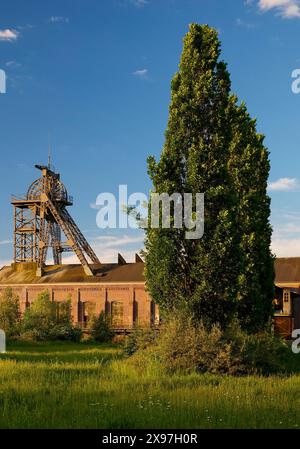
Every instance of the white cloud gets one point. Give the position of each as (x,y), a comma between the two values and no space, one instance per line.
(9,35)
(286,233)
(290,215)
(107,256)
(282,247)
(141,73)
(5,263)
(107,248)
(57,19)
(13,64)
(284,185)
(287,228)
(287,9)
(242,23)
(114,241)
(5,242)
(140,2)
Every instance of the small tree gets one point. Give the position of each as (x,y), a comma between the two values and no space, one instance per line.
(100,328)
(64,311)
(9,312)
(47,320)
(40,317)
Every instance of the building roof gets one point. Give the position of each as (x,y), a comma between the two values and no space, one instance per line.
(287,270)
(105,273)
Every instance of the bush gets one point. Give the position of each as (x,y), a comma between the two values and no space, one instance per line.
(139,339)
(263,353)
(63,312)
(185,346)
(9,313)
(30,335)
(100,329)
(65,332)
(40,317)
(47,320)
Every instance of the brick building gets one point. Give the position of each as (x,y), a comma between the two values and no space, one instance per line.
(117,289)
(41,222)
(287,295)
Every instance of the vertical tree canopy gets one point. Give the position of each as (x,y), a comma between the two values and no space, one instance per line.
(211,147)
(249,167)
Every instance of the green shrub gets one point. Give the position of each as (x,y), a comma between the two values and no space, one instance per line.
(65,332)
(30,335)
(263,353)
(47,320)
(9,313)
(185,346)
(100,328)
(63,311)
(139,339)
(40,317)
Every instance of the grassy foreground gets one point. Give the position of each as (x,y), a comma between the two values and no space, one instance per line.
(69,385)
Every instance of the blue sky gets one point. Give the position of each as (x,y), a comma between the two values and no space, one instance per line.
(95,76)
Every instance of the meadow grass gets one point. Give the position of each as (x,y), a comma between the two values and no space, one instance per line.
(71,385)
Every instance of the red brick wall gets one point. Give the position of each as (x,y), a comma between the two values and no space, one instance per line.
(135,300)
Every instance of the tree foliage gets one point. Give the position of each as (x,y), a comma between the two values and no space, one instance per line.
(101,329)
(212,147)
(48,320)
(9,312)
(249,167)
(40,317)
(201,274)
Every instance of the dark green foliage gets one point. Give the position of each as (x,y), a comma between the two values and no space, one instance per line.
(65,332)
(47,320)
(100,329)
(40,317)
(200,274)
(212,147)
(139,339)
(249,167)
(185,345)
(9,313)
(63,311)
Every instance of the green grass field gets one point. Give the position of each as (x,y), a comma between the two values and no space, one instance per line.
(68,385)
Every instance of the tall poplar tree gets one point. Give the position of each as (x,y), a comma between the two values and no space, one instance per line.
(200,274)
(212,146)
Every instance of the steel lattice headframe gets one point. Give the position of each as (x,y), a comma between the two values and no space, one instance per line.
(41,217)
